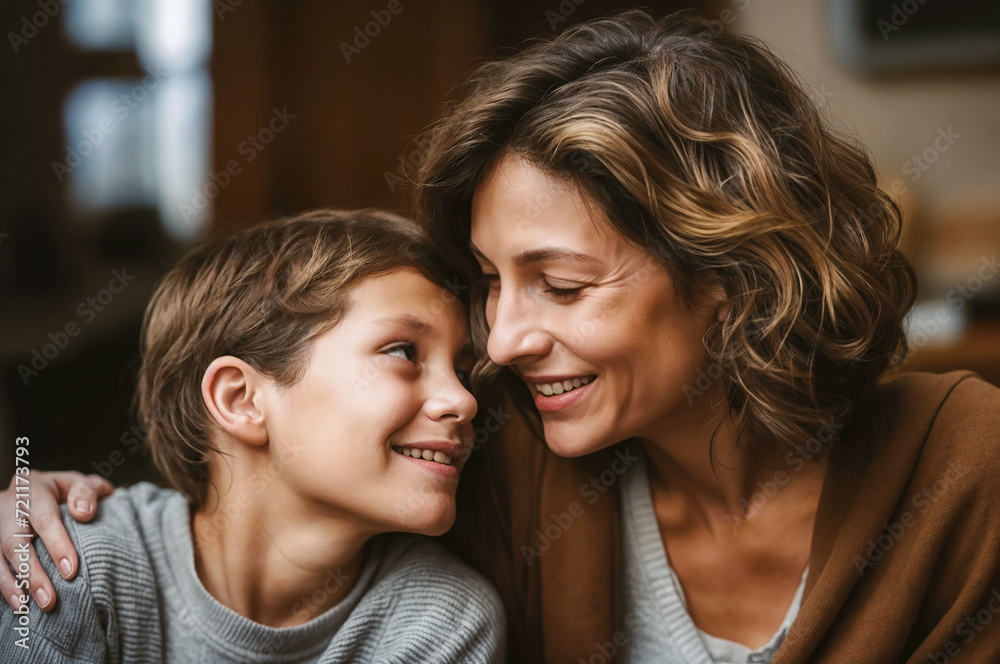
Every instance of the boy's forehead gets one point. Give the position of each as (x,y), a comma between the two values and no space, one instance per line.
(409,299)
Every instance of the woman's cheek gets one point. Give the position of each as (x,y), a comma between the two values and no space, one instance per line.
(588,330)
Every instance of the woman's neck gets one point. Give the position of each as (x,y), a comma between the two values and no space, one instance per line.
(734,491)
(272,559)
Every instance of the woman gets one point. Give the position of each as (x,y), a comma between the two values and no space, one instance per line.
(690,287)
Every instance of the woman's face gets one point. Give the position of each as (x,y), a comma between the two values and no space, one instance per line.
(586,318)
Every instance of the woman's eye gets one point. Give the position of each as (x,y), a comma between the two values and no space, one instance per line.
(492,281)
(406,351)
(558,292)
(465,378)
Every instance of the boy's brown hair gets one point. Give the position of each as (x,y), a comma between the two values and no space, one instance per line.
(262,295)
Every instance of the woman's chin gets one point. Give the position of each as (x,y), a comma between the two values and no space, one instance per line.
(567,442)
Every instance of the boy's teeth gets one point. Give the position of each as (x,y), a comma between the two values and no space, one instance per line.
(548,389)
(428,455)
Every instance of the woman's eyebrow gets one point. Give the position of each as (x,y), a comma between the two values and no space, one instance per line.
(545,254)
(554,253)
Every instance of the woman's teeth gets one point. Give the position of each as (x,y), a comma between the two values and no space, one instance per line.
(549,389)
(428,455)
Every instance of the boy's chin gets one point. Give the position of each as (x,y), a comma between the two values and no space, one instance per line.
(433,519)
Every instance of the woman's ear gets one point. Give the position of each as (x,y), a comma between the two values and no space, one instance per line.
(716,298)
(230,388)
(723,310)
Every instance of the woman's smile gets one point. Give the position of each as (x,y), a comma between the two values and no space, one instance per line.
(555,393)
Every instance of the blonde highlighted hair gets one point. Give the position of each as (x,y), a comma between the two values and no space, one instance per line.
(262,295)
(703,147)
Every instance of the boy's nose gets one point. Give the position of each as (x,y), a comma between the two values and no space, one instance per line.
(452,402)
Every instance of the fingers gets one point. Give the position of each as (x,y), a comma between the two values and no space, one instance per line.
(22,557)
(47,490)
(41,586)
(83,493)
(8,583)
(46,520)
(26,567)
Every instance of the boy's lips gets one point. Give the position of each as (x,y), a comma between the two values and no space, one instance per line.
(450,448)
(443,457)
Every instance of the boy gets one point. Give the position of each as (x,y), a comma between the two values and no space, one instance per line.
(301,389)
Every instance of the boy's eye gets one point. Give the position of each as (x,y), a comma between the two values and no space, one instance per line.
(403,350)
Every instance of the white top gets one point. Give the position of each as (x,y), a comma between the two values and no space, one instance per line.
(655,620)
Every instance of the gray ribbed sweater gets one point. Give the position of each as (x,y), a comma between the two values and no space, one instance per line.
(137,598)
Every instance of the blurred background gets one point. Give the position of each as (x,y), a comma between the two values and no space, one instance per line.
(133,128)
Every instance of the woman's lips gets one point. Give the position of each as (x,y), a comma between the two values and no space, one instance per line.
(556,402)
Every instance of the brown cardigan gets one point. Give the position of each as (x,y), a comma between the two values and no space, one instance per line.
(912,499)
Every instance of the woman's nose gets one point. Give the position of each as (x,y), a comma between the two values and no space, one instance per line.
(515,330)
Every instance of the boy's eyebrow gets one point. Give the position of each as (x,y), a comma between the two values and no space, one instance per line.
(409,320)
(544,254)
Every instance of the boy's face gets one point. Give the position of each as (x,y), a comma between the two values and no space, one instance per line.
(387,379)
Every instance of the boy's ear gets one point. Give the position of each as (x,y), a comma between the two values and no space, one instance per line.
(229,388)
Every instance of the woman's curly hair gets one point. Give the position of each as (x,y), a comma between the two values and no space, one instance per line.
(703,147)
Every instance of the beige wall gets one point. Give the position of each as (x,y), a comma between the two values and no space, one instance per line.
(897,118)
